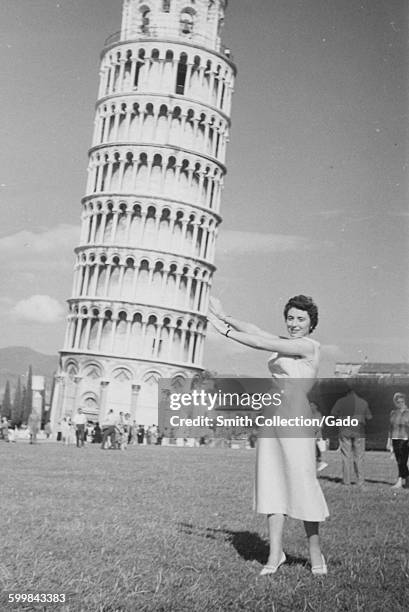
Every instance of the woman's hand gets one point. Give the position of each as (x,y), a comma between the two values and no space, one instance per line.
(216,308)
(218,324)
(389,446)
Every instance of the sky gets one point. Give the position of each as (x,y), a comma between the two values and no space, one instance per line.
(316,194)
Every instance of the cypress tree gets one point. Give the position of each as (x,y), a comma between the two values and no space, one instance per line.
(28,396)
(17,408)
(6,405)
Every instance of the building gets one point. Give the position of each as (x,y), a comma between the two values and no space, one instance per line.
(144,263)
(38,390)
(378,370)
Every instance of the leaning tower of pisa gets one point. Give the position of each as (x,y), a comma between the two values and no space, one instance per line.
(150,214)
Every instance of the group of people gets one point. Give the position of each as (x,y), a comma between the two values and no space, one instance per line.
(352,437)
(114,432)
(10,432)
(77,430)
(118,432)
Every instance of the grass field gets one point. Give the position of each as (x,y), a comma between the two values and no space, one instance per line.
(172,529)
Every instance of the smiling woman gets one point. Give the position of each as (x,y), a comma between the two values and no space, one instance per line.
(286,482)
(301,315)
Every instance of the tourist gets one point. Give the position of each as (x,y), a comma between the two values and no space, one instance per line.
(13,433)
(48,430)
(127,429)
(97,434)
(252,439)
(154,434)
(286,478)
(122,431)
(4,429)
(59,432)
(33,426)
(79,420)
(398,438)
(109,429)
(132,433)
(140,434)
(352,437)
(89,430)
(65,431)
(71,431)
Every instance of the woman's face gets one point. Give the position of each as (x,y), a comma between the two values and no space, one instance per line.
(298,323)
(400,402)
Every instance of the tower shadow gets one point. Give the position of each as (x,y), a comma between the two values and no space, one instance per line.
(249,545)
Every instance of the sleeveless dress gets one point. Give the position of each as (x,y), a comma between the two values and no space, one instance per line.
(286,477)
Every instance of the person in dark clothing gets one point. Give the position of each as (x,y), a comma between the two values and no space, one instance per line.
(140,434)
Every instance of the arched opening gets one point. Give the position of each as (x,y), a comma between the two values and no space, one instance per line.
(129,275)
(145,19)
(187,21)
(120,334)
(181,74)
(139,64)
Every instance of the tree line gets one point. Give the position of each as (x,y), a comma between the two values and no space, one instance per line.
(18,409)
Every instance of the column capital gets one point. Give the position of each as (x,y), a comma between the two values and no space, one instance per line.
(104,383)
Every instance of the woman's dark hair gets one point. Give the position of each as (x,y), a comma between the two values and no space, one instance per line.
(303,302)
(399,396)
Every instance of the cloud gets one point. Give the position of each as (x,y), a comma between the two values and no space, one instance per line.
(330,213)
(398,213)
(233,242)
(44,249)
(39,309)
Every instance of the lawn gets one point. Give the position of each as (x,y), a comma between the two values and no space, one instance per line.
(172,529)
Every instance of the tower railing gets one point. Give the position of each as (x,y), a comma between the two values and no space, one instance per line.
(174,34)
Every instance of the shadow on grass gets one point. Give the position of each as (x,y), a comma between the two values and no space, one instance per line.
(330,478)
(387,482)
(337,479)
(249,545)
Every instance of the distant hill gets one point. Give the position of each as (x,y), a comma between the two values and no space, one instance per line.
(15,361)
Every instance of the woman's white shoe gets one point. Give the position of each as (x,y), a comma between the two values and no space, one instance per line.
(320,570)
(271,569)
(398,484)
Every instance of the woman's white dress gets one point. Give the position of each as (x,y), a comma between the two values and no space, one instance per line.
(286,476)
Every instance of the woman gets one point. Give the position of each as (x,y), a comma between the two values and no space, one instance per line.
(398,438)
(65,431)
(286,481)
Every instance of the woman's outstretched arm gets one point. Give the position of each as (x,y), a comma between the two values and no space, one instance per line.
(266,341)
(242,326)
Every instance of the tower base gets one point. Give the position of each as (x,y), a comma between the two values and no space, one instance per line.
(97,383)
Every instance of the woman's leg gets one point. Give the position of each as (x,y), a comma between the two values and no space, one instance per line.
(312,531)
(275,532)
(405,456)
(399,451)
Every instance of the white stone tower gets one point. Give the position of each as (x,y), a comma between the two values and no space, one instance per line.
(150,214)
